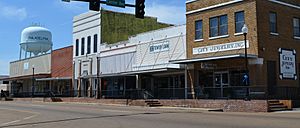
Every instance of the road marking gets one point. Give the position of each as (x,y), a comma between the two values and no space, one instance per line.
(16,121)
(11,122)
(27,118)
(109,110)
(36,105)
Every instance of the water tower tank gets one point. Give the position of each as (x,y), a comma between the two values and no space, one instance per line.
(36,40)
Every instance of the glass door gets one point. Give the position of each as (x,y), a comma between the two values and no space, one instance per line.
(221,82)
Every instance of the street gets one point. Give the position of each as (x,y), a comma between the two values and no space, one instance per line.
(67,115)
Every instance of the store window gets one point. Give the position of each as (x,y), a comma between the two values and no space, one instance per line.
(239,21)
(296,24)
(218,26)
(273,22)
(88,45)
(82,46)
(77,47)
(95,43)
(198,30)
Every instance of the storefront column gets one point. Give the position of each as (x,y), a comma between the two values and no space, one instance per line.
(124,86)
(185,82)
(138,81)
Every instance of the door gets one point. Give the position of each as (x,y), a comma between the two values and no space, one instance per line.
(272,80)
(221,82)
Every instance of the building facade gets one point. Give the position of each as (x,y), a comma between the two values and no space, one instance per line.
(216,48)
(39,75)
(92,29)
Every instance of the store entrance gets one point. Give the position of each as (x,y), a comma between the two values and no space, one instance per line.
(221,81)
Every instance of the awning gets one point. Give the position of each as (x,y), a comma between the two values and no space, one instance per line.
(134,72)
(211,58)
(28,77)
(54,78)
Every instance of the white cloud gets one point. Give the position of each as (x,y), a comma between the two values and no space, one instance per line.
(12,12)
(167,13)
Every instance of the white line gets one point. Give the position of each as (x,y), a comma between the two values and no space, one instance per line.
(107,110)
(11,122)
(27,118)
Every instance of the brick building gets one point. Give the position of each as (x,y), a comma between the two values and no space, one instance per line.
(216,55)
(60,80)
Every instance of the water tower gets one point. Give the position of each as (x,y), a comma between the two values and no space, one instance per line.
(35,40)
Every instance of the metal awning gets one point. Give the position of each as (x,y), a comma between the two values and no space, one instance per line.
(28,77)
(183,61)
(134,72)
(54,78)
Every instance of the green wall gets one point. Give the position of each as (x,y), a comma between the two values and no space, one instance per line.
(117,26)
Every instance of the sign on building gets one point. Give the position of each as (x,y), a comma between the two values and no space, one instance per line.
(220,47)
(159,47)
(287,62)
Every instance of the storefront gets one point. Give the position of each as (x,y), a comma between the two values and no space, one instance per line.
(157,76)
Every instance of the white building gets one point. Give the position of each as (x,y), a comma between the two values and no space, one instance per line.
(86,38)
(142,63)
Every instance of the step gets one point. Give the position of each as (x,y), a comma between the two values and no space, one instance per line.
(151,101)
(156,105)
(55,99)
(277,106)
(278,109)
(273,101)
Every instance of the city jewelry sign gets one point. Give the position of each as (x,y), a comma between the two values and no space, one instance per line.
(287,62)
(220,47)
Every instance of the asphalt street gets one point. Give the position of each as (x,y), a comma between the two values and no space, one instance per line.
(74,115)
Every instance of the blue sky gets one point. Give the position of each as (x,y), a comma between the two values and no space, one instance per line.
(15,15)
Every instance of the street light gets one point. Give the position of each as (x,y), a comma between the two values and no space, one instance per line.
(246,76)
(32,91)
(245,32)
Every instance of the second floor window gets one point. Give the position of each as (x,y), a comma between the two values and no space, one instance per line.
(296,24)
(95,43)
(198,30)
(82,46)
(77,47)
(218,26)
(273,22)
(88,45)
(239,21)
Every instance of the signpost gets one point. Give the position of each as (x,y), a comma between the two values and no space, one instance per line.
(287,62)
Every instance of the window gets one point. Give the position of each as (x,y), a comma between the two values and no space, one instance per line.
(273,22)
(296,24)
(239,21)
(198,30)
(223,25)
(82,46)
(77,47)
(88,45)
(218,26)
(95,43)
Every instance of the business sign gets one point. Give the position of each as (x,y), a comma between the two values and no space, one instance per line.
(220,47)
(26,66)
(117,3)
(287,64)
(159,47)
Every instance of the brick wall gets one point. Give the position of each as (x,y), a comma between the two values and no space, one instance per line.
(269,44)
(249,8)
(62,62)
